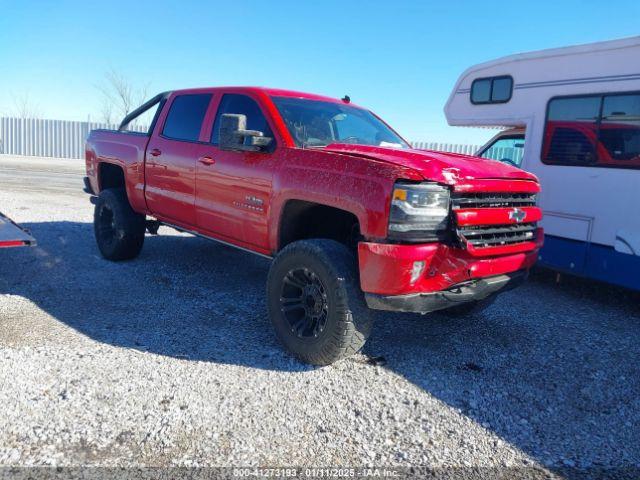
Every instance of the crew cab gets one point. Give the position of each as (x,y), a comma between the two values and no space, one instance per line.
(353,217)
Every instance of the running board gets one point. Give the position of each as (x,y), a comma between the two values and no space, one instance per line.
(197,234)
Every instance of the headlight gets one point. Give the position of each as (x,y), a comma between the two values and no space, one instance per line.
(418,211)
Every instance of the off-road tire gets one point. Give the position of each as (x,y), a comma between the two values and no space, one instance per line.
(348,321)
(119,231)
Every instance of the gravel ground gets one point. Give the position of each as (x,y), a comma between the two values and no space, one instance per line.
(170,360)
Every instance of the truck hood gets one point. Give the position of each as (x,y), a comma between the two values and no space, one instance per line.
(442,167)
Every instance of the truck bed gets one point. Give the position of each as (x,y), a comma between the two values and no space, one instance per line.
(12,235)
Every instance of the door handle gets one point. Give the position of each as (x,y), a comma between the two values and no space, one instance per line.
(206,160)
(155,152)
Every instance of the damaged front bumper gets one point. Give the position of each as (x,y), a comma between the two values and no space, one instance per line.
(469,291)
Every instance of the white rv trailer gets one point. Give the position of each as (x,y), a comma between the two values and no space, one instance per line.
(572,117)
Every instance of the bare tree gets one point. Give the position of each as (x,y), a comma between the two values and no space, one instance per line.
(119,96)
(23,107)
(106,111)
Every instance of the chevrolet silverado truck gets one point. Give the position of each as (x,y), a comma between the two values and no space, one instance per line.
(353,218)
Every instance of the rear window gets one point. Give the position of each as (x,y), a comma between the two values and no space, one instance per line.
(185,117)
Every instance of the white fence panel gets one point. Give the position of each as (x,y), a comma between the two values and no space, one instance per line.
(47,138)
(65,139)
(447,147)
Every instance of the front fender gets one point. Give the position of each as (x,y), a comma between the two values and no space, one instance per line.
(360,186)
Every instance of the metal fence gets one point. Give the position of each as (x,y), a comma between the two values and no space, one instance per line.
(65,139)
(46,138)
(467,149)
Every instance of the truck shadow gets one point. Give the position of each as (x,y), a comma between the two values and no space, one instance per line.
(184,297)
(551,370)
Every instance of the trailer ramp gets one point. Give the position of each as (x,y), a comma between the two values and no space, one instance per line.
(13,235)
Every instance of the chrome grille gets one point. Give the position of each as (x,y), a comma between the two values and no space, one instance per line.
(483,236)
(494,236)
(493,200)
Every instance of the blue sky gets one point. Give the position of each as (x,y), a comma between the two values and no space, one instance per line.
(399,58)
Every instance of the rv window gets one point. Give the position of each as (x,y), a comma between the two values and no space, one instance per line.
(576,109)
(491,90)
(501,91)
(481,91)
(570,146)
(620,130)
(509,150)
(595,130)
(571,131)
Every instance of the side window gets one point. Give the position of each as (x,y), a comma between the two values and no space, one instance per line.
(491,90)
(571,132)
(185,117)
(620,130)
(244,105)
(508,150)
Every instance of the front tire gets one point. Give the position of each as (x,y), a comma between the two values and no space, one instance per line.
(119,231)
(315,302)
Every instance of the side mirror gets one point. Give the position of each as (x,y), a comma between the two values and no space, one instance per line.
(235,136)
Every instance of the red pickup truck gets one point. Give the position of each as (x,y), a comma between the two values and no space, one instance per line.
(353,217)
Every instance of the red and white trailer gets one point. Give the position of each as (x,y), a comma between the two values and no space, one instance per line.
(13,235)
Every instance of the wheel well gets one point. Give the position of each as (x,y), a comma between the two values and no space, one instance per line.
(302,220)
(110,176)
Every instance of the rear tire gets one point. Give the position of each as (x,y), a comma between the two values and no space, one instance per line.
(315,302)
(119,231)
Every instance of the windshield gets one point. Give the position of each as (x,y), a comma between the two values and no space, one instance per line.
(314,123)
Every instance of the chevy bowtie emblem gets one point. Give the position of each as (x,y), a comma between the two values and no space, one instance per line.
(517,215)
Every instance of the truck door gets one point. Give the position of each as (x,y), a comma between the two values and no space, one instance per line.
(170,163)
(233,187)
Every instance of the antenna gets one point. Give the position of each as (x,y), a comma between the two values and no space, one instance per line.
(346,99)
